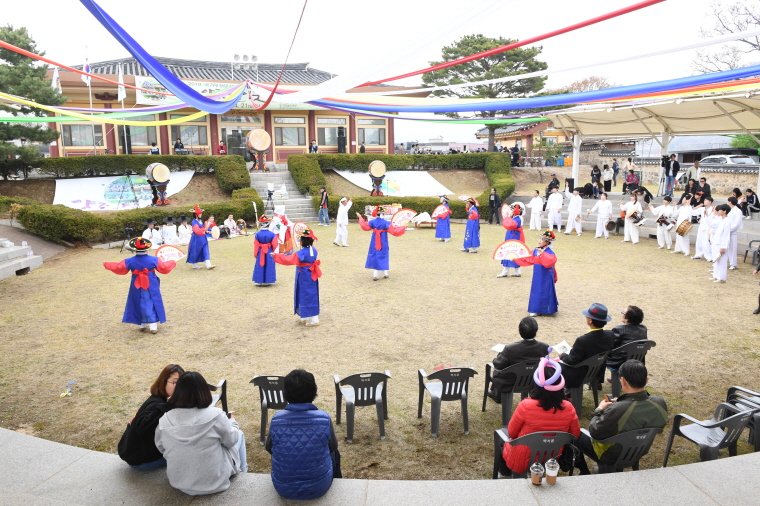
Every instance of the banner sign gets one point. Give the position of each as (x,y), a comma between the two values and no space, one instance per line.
(114,192)
(205,87)
(400,183)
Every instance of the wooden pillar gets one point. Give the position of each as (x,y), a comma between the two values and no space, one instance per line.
(312,122)
(352,142)
(163,131)
(111,135)
(389,138)
(214,125)
(54,151)
(268,128)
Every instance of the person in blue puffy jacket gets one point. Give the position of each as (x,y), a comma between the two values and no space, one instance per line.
(302,441)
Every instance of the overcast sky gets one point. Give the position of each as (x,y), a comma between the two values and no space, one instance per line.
(339,35)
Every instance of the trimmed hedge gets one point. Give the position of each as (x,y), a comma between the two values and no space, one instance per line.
(230,170)
(60,223)
(5,202)
(307,172)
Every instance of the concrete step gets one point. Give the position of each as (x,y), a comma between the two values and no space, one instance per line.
(19,266)
(7,254)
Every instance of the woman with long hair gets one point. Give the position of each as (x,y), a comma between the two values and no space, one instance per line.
(137,446)
(203,446)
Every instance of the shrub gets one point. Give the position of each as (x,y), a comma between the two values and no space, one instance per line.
(10,166)
(307,172)
(230,170)
(5,202)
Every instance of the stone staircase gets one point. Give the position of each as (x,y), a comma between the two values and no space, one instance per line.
(16,261)
(298,207)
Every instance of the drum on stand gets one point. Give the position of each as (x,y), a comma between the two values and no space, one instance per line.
(260,141)
(158,177)
(377,174)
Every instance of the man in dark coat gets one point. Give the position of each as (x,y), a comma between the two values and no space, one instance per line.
(494,204)
(527,349)
(592,343)
(671,173)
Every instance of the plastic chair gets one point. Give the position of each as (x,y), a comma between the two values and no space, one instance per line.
(594,364)
(543,446)
(635,444)
(220,394)
(272,397)
(454,382)
(635,350)
(755,252)
(362,389)
(744,399)
(711,435)
(523,372)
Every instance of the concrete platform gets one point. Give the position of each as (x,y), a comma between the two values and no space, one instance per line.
(38,472)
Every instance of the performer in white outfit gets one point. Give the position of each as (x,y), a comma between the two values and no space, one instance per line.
(554,209)
(735,217)
(153,234)
(719,242)
(536,206)
(631,230)
(603,208)
(341,233)
(683,243)
(664,219)
(706,217)
(169,231)
(574,208)
(184,230)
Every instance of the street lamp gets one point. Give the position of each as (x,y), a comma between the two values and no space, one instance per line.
(235,64)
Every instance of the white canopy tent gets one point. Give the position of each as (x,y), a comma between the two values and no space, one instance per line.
(736,112)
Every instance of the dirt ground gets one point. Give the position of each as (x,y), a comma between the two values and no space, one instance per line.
(440,306)
(202,188)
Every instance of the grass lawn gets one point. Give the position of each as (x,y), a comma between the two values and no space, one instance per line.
(439,307)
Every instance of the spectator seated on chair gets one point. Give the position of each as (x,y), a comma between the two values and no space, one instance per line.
(631,330)
(302,441)
(522,351)
(545,410)
(595,341)
(635,409)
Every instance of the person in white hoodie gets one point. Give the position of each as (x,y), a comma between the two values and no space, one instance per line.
(536,206)
(203,448)
(574,209)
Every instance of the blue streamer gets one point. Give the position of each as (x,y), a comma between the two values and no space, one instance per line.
(565,99)
(161,73)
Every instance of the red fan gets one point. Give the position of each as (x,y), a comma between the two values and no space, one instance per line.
(509,250)
(440,210)
(506,211)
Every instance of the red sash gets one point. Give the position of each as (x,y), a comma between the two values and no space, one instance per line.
(378,241)
(142,281)
(264,249)
(316,272)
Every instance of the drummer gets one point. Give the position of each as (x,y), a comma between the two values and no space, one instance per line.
(169,231)
(197,251)
(683,244)
(663,217)
(631,231)
(152,233)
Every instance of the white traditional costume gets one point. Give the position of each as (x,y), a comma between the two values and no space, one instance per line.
(683,243)
(574,208)
(554,210)
(603,208)
(231,226)
(720,240)
(735,217)
(184,232)
(152,234)
(630,229)
(169,231)
(341,233)
(661,214)
(536,206)
(706,219)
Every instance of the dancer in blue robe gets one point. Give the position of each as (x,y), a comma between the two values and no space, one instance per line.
(308,272)
(472,232)
(514,228)
(378,256)
(197,250)
(543,294)
(144,303)
(443,222)
(264,244)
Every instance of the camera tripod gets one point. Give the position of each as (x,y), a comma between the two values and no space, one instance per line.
(269,204)
(127,231)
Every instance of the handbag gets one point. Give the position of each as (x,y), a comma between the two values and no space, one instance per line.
(567,458)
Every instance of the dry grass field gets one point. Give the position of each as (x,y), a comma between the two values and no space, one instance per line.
(439,307)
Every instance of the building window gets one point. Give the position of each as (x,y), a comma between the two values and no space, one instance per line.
(327,136)
(202,119)
(290,121)
(191,135)
(550,140)
(289,136)
(371,122)
(331,121)
(372,136)
(139,135)
(241,119)
(81,135)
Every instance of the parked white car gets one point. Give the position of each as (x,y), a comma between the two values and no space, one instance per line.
(728,159)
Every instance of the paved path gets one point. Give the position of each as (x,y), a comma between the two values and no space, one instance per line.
(38,472)
(40,246)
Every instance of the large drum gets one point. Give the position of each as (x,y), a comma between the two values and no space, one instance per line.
(377,169)
(158,172)
(259,140)
(684,228)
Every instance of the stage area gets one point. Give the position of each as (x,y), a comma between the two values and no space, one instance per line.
(440,306)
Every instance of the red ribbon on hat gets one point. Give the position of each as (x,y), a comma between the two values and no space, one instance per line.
(142,281)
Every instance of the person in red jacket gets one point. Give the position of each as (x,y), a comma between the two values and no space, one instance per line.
(545,409)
